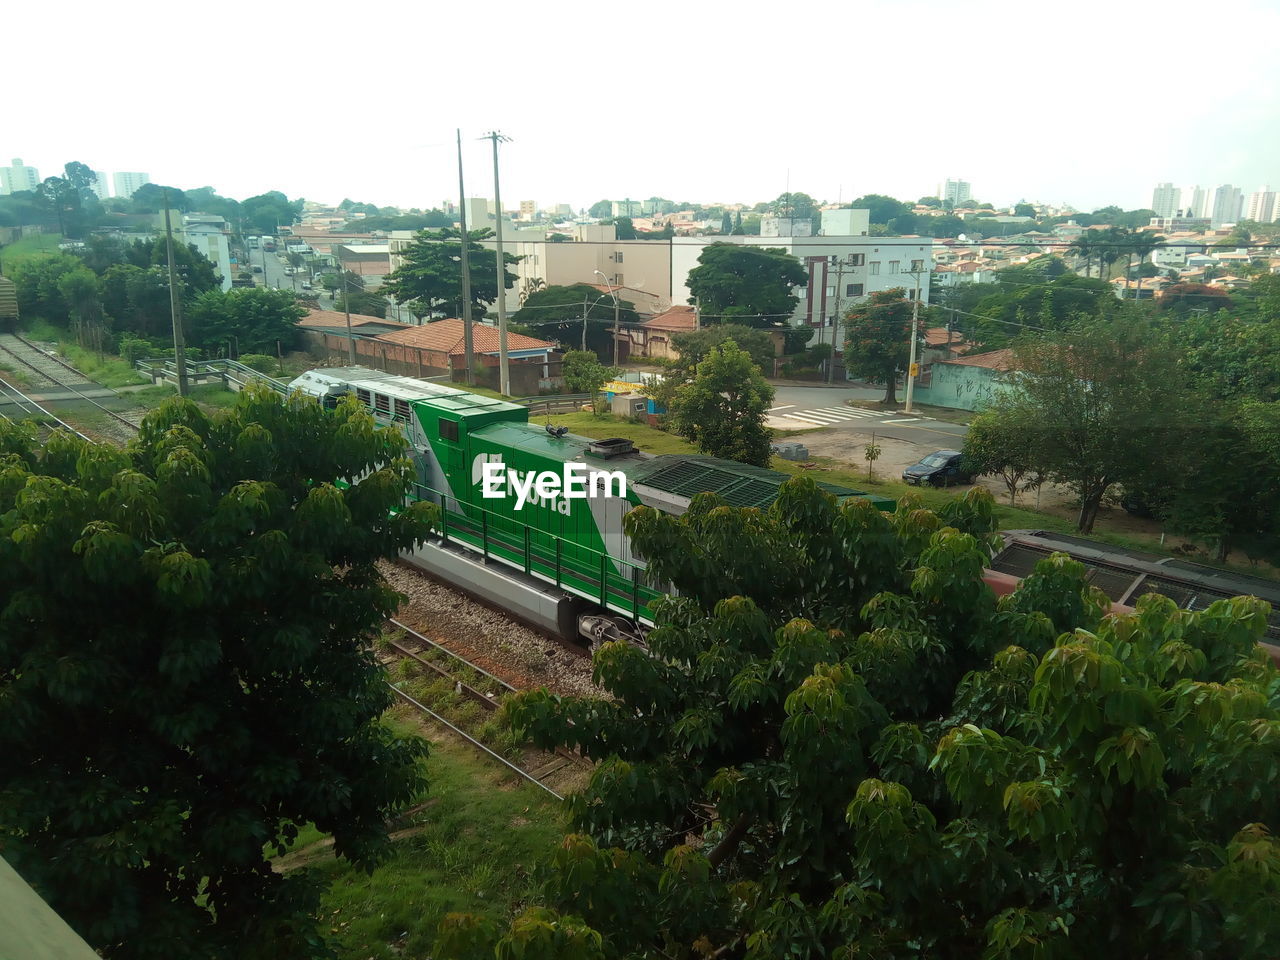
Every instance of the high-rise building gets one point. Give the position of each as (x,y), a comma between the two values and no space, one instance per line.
(955,192)
(1261,206)
(101,186)
(1228,203)
(1164,199)
(127,184)
(1195,202)
(528,209)
(17,177)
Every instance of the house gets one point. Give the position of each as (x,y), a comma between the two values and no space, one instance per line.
(1130,288)
(652,338)
(1230,283)
(966,383)
(436,348)
(369,261)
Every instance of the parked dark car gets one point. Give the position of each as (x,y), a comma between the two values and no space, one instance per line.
(939,469)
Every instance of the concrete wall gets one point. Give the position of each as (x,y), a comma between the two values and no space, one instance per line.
(959,387)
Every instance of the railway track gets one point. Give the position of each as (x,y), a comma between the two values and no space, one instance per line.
(32,410)
(53,372)
(475,684)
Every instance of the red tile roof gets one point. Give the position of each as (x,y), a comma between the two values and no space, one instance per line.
(678,317)
(445,336)
(1001,360)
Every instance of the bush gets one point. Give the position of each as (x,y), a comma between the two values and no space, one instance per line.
(260,362)
(133,349)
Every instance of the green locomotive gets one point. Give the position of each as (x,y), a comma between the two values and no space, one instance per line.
(541,550)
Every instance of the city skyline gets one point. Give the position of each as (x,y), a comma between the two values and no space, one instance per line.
(732,118)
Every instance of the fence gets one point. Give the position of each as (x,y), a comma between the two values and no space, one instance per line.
(230,373)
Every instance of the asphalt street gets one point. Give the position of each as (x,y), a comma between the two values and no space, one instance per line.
(824,408)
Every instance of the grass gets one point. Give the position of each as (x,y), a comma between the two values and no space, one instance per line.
(29,247)
(106,369)
(472,849)
(213,395)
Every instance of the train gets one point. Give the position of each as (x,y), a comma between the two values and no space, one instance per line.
(565,566)
(558,562)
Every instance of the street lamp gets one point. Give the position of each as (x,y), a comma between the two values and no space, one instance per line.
(616,318)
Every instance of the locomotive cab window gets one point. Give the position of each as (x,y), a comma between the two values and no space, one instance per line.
(449,430)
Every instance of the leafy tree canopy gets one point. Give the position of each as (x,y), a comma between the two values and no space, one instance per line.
(225,697)
(748,285)
(557,312)
(599,209)
(878,339)
(584,373)
(883,209)
(723,408)
(429,278)
(839,743)
(256,316)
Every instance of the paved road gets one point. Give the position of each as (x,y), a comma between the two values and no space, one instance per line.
(807,408)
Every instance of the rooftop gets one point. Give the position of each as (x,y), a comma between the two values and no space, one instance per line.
(1001,360)
(678,318)
(446,336)
(334,318)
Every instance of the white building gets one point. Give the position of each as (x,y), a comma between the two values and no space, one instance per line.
(1262,206)
(17,177)
(846,223)
(127,184)
(1195,202)
(1164,199)
(528,209)
(1228,204)
(955,192)
(842,271)
(101,186)
(208,234)
(627,208)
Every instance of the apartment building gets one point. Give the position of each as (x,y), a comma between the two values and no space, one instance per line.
(1261,206)
(1165,199)
(842,271)
(18,177)
(955,192)
(208,234)
(127,184)
(1228,204)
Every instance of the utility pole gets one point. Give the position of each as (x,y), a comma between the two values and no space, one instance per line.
(835,324)
(467,344)
(915,326)
(504,371)
(585,311)
(346,305)
(175,304)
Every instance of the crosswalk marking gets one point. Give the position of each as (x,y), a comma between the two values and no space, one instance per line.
(911,420)
(830,415)
(785,406)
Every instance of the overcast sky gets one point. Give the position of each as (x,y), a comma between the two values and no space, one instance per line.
(1087,102)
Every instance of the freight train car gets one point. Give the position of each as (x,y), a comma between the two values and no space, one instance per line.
(560,562)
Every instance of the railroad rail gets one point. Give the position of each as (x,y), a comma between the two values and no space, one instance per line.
(489,702)
(11,394)
(35,359)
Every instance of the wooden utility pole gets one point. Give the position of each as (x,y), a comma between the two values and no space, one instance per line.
(915,326)
(175,304)
(467,345)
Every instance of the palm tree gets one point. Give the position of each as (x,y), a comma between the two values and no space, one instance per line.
(1085,245)
(1142,243)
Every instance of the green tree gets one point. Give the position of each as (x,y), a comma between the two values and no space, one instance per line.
(839,743)
(196,272)
(1221,483)
(1024,210)
(149,198)
(694,346)
(1185,297)
(883,209)
(267,212)
(36,280)
(138,299)
(723,408)
(600,209)
(59,196)
(1004,444)
(726,224)
(362,302)
(226,697)
(584,373)
(624,229)
(558,313)
(256,316)
(878,339)
(904,223)
(746,285)
(1108,399)
(429,278)
(82,293)
(929,202)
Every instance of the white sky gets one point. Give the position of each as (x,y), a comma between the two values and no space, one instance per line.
(1086,102)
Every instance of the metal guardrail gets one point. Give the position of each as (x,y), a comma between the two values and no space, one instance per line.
(232,371)
(557,404)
